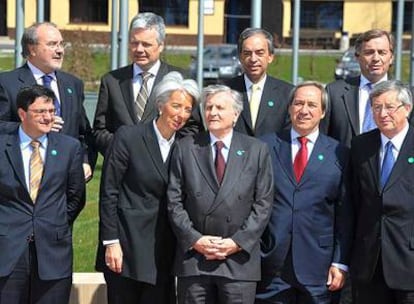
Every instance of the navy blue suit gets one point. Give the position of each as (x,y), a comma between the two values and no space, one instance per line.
(310,227)
(59,201)
(71,98)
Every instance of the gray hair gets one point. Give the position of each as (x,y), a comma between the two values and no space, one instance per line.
(249,32)
(404,94)
(174,81)
(372,34)
(149,21)
(236,97)
(30,36)
(311,83)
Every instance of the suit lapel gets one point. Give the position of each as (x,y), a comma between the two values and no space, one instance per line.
(66,92)
(268,95)
(245,114)
(15,157)
(404,159)
(125,84)
(351,104)
(26,77)
(151,143)
(204,160)
(52,158)
(372,150)
(283,150)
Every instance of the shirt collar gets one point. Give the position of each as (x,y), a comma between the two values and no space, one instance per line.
(397,140)
(248,83)
(37,73)
(226,140)
(25,139)
(160,138)
(153,70)
(364,81)
(312,137)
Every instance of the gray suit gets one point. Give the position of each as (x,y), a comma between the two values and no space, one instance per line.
(238,209)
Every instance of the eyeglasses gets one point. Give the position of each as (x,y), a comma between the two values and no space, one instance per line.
(43,111)
(389,109)
(54,45)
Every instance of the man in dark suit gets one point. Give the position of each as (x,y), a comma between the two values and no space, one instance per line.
(268,111)
(383,175)
(220,194)
(42,186)
(43,48)
(122,88)
(307,243)
(349,113)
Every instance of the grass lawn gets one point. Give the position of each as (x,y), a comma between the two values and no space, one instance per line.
(311,67)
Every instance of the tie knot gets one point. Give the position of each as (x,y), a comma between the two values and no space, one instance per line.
(35,144)
(47,79)
(255,87)
(389,145)
(369,86)
(303,140)
(145,76)
(219,145)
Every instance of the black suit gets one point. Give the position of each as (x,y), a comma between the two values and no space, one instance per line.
(273,109)
(238,209)
(58,203)
(383,246)
(76,123)
(133,210)
(116,101)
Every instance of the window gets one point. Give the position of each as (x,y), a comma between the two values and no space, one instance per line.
(174,12)
(91,11)
(321,14)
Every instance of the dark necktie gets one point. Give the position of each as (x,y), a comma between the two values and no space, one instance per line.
(36,169)
(301,158)
(142,96)
(368,124)
(387,163)
(219,163)
(47,80)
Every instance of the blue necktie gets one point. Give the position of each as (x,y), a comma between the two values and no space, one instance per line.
(368,124)
(387,163)
(47,80)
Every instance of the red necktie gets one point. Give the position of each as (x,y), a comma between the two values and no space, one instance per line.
(219,163)
(301,158)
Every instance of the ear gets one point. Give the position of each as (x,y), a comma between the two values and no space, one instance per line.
(22,114)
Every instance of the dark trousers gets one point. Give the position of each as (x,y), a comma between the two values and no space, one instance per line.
(376,291)
(286,289)
(23,285)
(122,290)
(213,289)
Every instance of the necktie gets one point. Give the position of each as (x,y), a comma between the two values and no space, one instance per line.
(387,164)
(47,80)
(254,103)
(142,96)
(219,163)
(368,123)
(36,170)
(301,158)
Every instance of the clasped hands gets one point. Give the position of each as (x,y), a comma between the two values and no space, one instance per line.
(215,247)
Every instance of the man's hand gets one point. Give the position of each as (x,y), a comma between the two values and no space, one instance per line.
(225,248)
(206,246)
(57,124)
(87,171)
(336,278)
(113,257)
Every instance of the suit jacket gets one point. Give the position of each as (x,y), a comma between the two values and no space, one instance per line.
(59,201)
(384,218)
(238,209)
(71,99)
(133,205)
(311,218)
(116,103)
(273,109)
(342,116)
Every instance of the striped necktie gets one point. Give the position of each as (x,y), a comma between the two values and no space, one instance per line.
(36,170)
(47,81)
(142,96)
